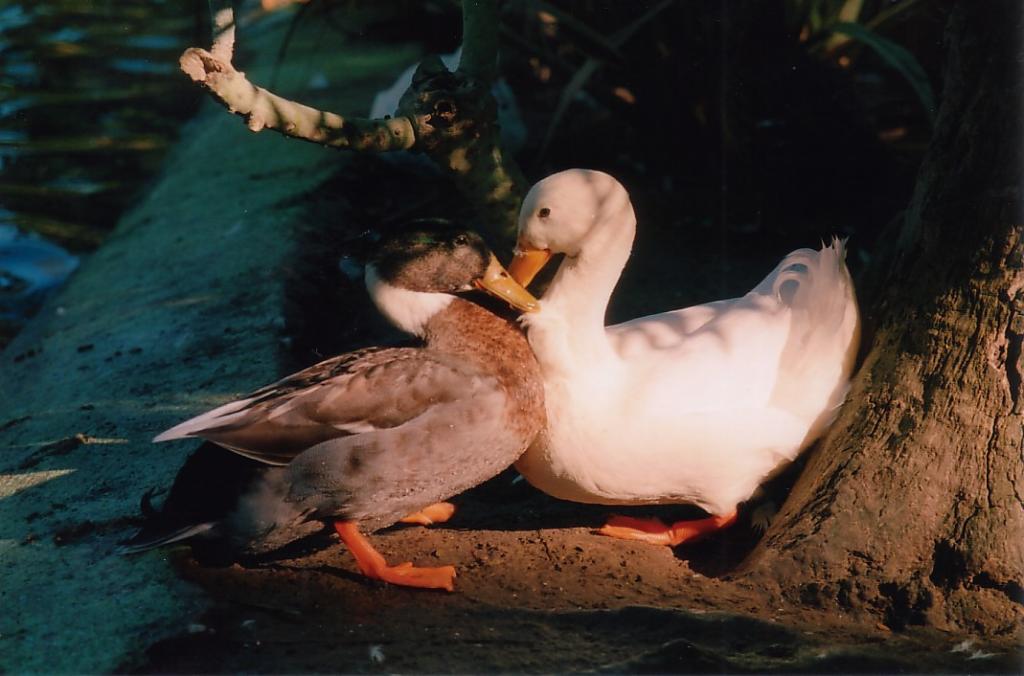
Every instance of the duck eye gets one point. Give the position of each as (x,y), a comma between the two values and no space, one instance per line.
(544,213)
(460,240)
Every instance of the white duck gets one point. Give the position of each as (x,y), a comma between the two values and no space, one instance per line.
(698,405)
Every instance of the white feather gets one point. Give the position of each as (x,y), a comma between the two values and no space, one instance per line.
(408,310)
(699,405)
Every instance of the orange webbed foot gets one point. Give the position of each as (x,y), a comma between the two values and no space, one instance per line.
(654,531)
(408,575)
(439,512)
(373,565)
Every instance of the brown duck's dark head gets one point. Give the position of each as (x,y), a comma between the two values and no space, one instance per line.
(436,257)
(432,256)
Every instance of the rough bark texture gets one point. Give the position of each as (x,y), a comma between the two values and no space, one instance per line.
(913,507)
(455,118)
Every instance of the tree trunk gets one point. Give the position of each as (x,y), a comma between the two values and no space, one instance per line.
(912,506)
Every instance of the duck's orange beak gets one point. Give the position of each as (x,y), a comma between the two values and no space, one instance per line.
(498,282)
(527,262)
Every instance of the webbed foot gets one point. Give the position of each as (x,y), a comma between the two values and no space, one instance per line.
(654,531)
(439,512)
(373,565)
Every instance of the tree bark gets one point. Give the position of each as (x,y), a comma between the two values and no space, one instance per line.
(455,119)
(912,506)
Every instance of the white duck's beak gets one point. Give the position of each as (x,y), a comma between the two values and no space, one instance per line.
(498,282)
(527,262)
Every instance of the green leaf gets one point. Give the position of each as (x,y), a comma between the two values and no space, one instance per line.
(849,12)
(897,57)
(591,66)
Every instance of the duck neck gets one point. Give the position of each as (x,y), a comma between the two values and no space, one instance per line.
(584,283)
(478,336)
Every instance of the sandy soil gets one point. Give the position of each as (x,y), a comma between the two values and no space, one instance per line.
(537,591)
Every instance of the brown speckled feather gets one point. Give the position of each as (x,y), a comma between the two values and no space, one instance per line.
(376,434)
(364,391)
(453,444)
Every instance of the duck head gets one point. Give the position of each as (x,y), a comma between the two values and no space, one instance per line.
(571,212)
(417,273)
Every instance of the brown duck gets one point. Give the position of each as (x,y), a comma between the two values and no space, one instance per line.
(379,435)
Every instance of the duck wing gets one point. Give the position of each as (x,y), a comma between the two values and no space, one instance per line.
(789,343)
(354,393)
(663,331)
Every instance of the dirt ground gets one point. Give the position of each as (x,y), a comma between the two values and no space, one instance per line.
(536,591)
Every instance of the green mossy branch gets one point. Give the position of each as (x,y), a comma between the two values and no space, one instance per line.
(449,117)
(265,110)
(456,124)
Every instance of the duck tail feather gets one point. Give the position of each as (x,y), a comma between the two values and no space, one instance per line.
(825,331)
(218,417)
(142,542)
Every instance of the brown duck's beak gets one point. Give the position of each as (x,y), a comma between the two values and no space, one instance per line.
(527,262)
(498,282)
